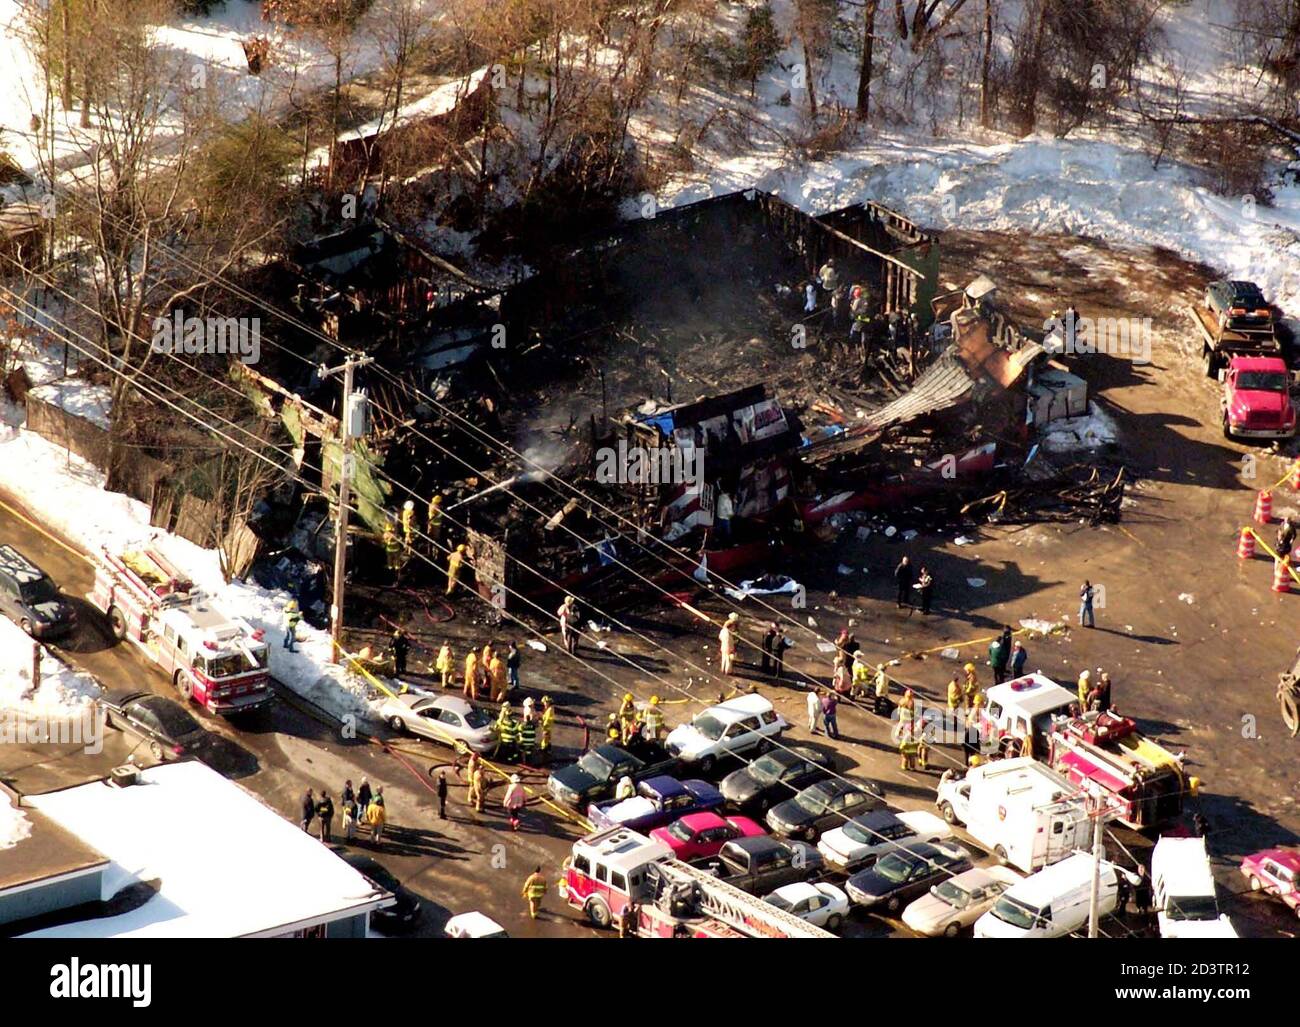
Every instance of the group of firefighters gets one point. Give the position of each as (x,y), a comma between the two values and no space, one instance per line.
(633,722)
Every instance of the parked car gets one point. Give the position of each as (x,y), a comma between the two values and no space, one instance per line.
(168,727)
(446,719)
(1275,872)
(821,904)
(868,836)
(747,723)
(958,902)
(658,800)
(700,835)
(30,598)
(473,925)
(775,777)
(404,913)
(900,876)
(760,865)
(823,805)
(599,770)
(1238,304)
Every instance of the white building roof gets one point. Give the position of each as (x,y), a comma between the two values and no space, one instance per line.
(227,865)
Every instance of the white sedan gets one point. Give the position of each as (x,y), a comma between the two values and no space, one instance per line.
(447,719)
(822,905)
(867,837)
(958,902)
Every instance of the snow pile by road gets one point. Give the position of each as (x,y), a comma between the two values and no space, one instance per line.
(14,825)
(62,690)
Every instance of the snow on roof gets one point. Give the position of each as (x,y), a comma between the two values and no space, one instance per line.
(227,865)
(14,825)
(79,398)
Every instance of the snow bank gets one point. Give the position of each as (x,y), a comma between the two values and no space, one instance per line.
(59,488)
(62,691)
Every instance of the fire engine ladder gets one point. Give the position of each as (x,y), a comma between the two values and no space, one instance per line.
(737,908)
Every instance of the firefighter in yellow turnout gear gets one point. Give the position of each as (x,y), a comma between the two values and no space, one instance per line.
(433,524)
(453,567)
(627,718)
(534,891)
(392,548)
(652,721)
(408,524)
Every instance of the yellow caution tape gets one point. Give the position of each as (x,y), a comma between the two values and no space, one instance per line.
(1265,546)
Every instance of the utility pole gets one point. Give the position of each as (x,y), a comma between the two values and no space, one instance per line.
(348,430)
(1098,851)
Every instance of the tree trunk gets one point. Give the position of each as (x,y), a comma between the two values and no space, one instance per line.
(869,10)
(986,60)
(65,22)
(1029,112)
(900,18)
(808,76)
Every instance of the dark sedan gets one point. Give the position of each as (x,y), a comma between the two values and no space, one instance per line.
(774,778)
(899,877)
(404,913)
(167,726)
(824,805)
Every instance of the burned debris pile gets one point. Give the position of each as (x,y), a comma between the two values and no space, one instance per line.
(706,388)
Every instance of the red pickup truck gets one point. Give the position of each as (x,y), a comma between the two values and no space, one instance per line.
(1256,399)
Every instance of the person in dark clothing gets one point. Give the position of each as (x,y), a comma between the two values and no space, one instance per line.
(363,796)
(903,578)
(442,795)
(348,795)
(325,813)
(1103,693)
(926,584)
(769,644)
(308,810)
(401,647)
(829,706)
(1000,656)
(1142,893)
(778,656)
(513,659)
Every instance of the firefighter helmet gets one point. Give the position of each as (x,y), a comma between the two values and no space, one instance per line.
(969,668)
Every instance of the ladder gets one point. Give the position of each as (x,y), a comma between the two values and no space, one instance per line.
(747,913)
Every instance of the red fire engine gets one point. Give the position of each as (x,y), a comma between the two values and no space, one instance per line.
(1146,781)
(218,661)
(612,868)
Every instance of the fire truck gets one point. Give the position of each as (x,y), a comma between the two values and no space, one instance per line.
(217,661)
(610,869)
(1035,716)
(1145,781)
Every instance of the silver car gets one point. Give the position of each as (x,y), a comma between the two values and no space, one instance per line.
(446,719)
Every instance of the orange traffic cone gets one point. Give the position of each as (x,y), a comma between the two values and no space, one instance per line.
(1246,545)
(1264,507)
(1282,574)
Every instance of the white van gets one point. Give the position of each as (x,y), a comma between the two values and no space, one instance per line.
(1027,814)
(1053,902)
(1183,888)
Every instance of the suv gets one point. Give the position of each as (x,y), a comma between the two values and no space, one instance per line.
(740,725)
(1237,305)
(30,599)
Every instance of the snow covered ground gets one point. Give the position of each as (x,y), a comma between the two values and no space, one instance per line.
(62,690)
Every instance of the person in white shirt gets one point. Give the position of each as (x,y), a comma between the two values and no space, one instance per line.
(814,710)
(722,515)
